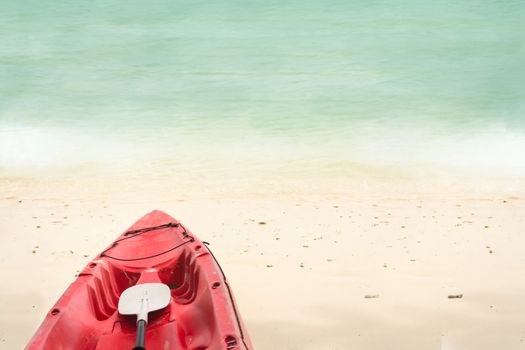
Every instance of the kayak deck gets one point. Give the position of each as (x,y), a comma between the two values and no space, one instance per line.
(201,315)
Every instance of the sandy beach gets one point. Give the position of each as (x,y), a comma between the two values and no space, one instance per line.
(362,270)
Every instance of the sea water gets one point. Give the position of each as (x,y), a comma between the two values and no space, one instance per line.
(278,88)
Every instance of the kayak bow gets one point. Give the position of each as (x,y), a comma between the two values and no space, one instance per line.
(201,313)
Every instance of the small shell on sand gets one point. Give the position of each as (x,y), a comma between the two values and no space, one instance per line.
(371,296)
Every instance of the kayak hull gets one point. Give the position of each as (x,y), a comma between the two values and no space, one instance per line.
(202,313)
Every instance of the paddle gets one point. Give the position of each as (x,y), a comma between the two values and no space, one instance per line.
(140,300)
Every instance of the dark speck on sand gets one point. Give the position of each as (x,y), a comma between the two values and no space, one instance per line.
(455,296)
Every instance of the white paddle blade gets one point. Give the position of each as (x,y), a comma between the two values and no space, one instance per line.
(143,298)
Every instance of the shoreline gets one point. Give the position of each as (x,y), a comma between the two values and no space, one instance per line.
(365,184)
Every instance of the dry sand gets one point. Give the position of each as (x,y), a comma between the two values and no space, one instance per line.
(355,270)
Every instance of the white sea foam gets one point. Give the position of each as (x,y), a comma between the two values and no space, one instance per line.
(36,150)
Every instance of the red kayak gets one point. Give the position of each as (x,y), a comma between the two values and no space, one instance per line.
(200,311)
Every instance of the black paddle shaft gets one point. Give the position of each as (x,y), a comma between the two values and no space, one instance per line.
(141,335)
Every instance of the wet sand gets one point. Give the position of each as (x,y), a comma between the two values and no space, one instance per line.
(369,270)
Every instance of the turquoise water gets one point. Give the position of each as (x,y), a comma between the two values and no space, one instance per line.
(246,86)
